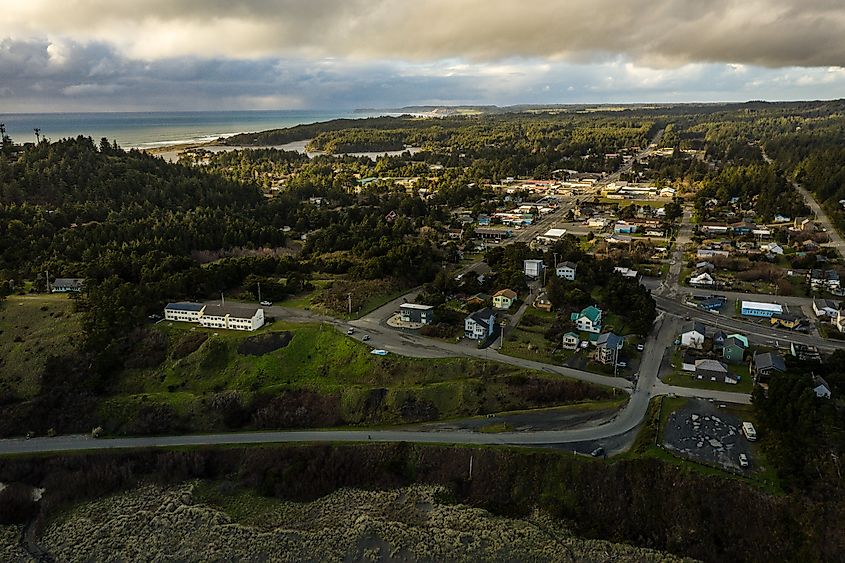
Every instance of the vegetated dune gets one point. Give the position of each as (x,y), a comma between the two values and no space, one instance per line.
(408,524)
(10,548)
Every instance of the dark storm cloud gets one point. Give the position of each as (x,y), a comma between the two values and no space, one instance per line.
(772,33)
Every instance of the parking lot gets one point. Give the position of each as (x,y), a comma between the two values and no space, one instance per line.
(702,431)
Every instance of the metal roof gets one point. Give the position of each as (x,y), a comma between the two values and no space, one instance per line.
(194,307)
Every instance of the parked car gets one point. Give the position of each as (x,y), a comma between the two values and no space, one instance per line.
(743,460)
(640,347)
(350,331)
(267,303)
(598,452)
(379,352)
(366,337)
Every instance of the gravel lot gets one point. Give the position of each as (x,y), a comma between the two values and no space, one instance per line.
(702,431)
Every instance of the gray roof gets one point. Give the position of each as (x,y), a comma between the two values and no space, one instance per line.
(236,311)
(696,326)
(610,340)
(185,306)
(733,341)
(819,381)
(482,316)
(769,360)
(567,264)
(69,282)
(710,365)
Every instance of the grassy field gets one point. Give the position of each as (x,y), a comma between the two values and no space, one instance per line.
(685,379)
(364,388)
(527,340)
(32,328)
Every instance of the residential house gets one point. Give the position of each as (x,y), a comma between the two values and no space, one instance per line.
(693,336)
(416,313)
(823,279)
(618,239)
(758,309)
(627,272)
(772,248)
(67,285)
(805,352)
(710,252)
(767,363)
(479,299)
(608,346)
(825,308)
(566,270)
(705,266)
(625,228)
(232,317)
(703,279)
(588,320)
(480,324)
(821,387)
(839,321)
(787,320)
(504,298)
(533,268)
(183,312)
(571,341)
(543,302)
(742,338)
(715,229)
(713,370)
(719,339)
(733,350)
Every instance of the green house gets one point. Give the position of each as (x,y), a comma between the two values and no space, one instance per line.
(734,350)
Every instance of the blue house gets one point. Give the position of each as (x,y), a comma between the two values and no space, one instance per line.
(483,220)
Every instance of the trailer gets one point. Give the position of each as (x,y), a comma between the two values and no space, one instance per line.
(749,431)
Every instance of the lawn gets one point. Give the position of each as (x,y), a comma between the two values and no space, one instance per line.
(685,379)
(527,340)
(32,328)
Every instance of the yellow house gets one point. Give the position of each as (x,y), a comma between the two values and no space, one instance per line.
(503,299)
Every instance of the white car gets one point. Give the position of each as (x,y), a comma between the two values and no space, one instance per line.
(378,352)
(266,303)
(743,460)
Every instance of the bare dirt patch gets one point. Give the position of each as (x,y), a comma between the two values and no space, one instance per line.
(264,343)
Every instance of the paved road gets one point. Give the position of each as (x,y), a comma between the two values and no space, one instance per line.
(836,240)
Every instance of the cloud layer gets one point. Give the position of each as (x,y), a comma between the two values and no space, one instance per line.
(771,33)
(210,54)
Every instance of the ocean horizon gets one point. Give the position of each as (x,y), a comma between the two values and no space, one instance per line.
(147,130)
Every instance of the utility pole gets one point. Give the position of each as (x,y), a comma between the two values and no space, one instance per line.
(47,274)
(470,467)
(349,298)
(222,299)
(259,293)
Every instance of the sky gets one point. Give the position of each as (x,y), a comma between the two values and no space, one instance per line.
(130,55)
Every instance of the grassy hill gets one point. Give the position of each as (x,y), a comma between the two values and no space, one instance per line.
(31,329)
(318,378)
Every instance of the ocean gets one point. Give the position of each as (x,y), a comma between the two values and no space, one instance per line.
(158,129)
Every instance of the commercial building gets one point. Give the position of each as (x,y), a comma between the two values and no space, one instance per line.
(183,312)
(232,317)
(759,309)
(415,313)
